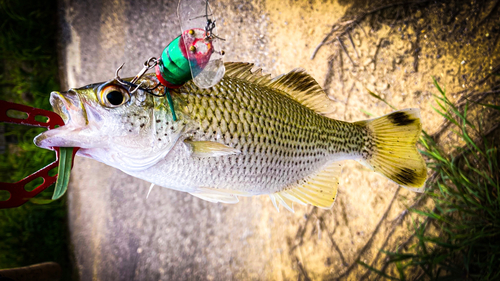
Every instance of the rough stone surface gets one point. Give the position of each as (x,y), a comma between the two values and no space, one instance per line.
(118,234)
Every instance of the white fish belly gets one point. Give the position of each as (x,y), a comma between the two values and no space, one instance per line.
(250,173)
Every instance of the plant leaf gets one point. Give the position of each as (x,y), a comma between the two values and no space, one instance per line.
(66,157)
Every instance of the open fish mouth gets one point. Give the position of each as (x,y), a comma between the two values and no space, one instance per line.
(59,106)
(69,106)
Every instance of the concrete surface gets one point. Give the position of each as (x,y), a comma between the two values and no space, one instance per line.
(118,234)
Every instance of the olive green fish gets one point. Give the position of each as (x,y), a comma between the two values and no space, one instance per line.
(248,135)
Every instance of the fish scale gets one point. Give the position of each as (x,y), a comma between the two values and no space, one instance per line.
(249,134)
(268,121)
(287,147)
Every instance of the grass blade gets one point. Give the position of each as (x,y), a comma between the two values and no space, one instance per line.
(380,98)
(66,154)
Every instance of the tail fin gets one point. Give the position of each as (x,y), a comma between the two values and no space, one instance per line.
(395,155)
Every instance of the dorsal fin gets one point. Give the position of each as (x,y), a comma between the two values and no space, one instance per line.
(243,70)
(297,84)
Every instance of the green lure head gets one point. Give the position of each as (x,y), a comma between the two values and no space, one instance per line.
(184,58)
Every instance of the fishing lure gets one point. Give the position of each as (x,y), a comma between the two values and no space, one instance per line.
(190,56)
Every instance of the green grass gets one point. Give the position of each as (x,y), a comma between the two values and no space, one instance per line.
(30,233)
(459,238)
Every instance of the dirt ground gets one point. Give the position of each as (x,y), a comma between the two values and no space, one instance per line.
(350,47)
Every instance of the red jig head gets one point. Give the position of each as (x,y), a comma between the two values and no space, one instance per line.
(18,194)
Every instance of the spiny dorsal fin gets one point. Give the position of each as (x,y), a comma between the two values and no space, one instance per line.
(243,70)
(297,84)
(319,190)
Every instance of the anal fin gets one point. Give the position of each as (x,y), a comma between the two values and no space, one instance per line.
(283,200)
(319,189)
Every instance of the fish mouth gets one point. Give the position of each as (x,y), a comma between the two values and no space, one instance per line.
(72,111)
(69,106)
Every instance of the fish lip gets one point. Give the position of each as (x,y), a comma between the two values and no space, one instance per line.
(59,106)
(71,109)
(66,105)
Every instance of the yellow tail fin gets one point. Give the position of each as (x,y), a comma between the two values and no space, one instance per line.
(395,155)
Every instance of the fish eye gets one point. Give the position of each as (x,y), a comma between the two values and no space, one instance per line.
(113,96)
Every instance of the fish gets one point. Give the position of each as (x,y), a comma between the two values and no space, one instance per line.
(250,134)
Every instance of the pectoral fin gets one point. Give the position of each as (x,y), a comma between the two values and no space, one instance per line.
(209,149)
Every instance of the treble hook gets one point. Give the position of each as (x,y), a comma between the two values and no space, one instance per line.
(149,64)
(117,77)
